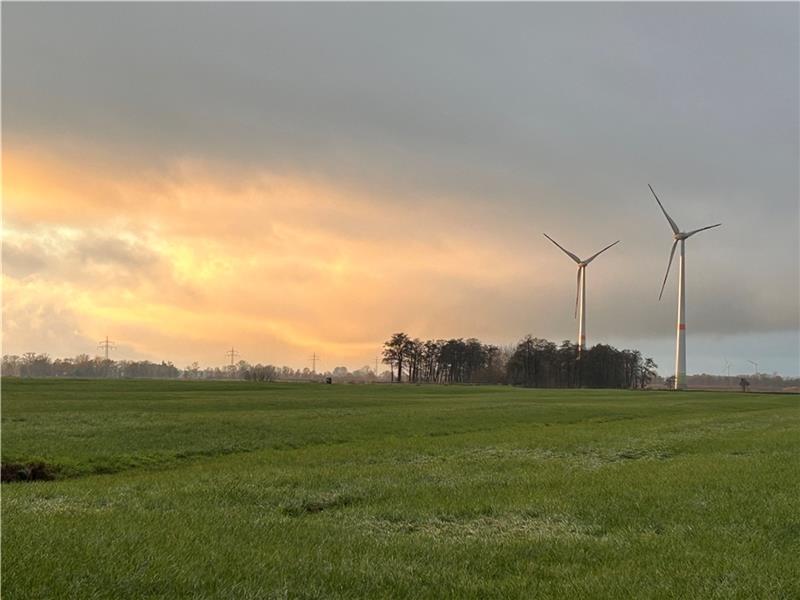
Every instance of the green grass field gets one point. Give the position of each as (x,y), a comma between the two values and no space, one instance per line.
(236,490)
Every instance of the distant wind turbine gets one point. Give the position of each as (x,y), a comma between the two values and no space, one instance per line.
(755,365)
(580,297)
(679,236)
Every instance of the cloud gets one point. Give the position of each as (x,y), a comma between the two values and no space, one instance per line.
(34,324)
(288,263)
(60,252)
(21,259)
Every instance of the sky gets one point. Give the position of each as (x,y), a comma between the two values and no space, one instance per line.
(290,179)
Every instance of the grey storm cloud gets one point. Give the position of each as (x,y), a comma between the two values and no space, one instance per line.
(114,251)
(76,257)
(536,116)
(23,259)
(585,100)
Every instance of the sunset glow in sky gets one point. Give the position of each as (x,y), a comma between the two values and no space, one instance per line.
(298,179)
(278,265)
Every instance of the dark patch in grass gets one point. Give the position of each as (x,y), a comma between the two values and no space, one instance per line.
(594,458)
(630,454)
(318,504)
(449,526)
(639,454)
(41,471)
(36,471)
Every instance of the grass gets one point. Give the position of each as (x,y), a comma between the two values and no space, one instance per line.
(237,490)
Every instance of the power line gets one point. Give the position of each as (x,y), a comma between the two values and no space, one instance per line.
(314,358)
(107,345)
(233,354)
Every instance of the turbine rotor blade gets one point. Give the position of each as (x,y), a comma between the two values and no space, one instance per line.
(669,264)
(673,224)
(593,256)
(578,292)
(564,250)
(691,233)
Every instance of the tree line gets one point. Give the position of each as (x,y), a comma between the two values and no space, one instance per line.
(533,362)
(32,364)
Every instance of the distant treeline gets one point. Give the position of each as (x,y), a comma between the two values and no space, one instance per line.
(533,362)
(762,382)
(259,372)
(32,364)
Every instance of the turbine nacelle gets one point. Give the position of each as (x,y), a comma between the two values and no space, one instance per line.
(683,235)
(582,264)
(678,236)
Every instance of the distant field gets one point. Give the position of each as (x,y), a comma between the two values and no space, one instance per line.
(169,489)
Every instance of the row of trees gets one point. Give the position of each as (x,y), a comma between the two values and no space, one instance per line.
(259,372)
(532,362)
(540,363)
(31,364)
(442,361)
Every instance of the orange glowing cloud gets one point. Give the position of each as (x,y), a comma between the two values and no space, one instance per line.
(183,262)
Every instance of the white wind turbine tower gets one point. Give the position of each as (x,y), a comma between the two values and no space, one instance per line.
(679,236)
(580,297)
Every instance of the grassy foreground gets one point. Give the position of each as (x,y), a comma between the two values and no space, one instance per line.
(238,490)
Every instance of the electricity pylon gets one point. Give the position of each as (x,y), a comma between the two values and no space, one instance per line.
(107,345)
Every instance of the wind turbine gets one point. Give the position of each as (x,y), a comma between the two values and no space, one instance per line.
(755,364)
(728,369)
(680,342)
(580,297)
